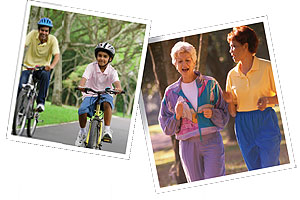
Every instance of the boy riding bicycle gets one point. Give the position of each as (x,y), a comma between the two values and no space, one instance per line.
(41,47)
(98,75)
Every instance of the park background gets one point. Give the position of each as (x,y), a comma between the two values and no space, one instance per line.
(77,35)
(213,59)
(38,172)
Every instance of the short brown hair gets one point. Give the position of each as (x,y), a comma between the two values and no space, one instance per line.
(244,34)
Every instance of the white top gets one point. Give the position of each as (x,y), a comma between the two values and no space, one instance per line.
(98,80)
(190,91)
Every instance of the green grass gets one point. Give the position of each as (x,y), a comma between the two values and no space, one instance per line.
(120,114)
(61,114)
(58,114)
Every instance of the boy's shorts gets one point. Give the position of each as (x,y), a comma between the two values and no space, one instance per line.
(88,104)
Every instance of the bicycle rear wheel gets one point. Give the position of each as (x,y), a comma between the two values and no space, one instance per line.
(93,134)
(20,114)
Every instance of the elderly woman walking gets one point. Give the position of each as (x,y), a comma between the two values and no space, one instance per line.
(194,110)
(251,94)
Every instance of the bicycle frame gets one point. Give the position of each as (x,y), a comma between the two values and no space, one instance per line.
(99,117)
(29,94)
(94,139)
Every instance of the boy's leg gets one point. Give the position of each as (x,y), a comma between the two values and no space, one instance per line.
(107,104)
(107,113)
(86,109)
(82,120)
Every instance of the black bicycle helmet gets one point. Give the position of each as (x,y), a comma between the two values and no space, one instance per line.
(106,47)
(45,22)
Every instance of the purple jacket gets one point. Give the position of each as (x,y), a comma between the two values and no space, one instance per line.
(193,123)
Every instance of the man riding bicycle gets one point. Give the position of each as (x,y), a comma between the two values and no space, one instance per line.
(98,75)
(41,47)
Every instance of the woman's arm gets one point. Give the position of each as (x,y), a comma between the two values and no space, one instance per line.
(168,119)
(231,106)
(220,115)
(263,101)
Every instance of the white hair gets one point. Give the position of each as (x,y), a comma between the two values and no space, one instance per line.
(180,47)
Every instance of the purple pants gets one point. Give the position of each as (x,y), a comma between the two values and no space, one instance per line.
(202,159)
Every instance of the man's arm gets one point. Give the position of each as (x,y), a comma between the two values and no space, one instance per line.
(54,62)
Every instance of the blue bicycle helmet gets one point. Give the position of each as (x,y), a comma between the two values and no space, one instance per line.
(45,22)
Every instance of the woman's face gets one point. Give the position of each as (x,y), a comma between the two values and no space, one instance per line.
(185,65)
(238,50)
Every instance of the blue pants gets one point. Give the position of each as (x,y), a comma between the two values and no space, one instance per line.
(259,137)
(43,77)
(202,159)
(88,104)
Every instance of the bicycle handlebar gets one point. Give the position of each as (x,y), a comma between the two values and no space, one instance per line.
(106,91)
(37,67)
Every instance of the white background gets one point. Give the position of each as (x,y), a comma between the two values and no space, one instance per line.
(35,172)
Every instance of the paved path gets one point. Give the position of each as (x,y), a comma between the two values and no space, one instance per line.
(67,134)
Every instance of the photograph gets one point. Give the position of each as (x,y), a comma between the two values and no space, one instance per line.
(211,104)
(77,78)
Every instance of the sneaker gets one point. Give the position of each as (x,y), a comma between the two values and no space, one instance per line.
(40,107)
(80,139)
(107,136)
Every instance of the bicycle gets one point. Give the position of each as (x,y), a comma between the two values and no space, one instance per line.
(94,137)
(24,109)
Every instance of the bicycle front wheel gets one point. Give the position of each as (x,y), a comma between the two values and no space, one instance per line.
(20,114)
(93,134)
(31,124)
(32,117)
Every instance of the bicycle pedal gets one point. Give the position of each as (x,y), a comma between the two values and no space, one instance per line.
(107,140)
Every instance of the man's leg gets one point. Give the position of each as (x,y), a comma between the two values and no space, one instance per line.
(44,78)
(23,79)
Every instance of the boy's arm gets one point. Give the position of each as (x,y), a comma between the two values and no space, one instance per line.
(117,85)
(82,84)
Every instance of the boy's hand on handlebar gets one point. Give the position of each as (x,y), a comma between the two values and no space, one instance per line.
(118,90)
(82,89)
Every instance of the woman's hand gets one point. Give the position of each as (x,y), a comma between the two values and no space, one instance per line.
(262,103)
(179,110)
(207,112)
(227,97)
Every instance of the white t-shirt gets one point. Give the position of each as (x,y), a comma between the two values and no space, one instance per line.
(190,91)
(98,80)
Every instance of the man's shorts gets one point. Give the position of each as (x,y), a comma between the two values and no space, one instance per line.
(88,104)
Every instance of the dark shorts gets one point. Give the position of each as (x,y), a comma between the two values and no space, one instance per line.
(88,104)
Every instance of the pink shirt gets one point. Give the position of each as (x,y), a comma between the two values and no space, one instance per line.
(98,80)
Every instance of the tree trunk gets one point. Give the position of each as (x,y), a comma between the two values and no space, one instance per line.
(165,74)
(202,53)
(57,87)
